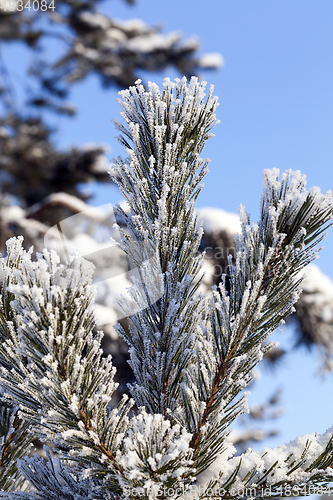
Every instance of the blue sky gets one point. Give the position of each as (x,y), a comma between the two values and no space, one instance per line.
(276,110)
(275,92)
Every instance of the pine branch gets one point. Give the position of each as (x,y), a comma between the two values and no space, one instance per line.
(168,131)
(264,284)
(64,385)
(16,435)
(53,479)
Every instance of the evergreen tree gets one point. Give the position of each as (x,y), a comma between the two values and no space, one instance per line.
(192,355)
(88,42)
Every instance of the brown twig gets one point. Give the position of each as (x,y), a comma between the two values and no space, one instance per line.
(101,446)
(10,439)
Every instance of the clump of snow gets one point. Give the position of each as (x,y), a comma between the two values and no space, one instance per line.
(208,270)
(318,292)
(32,228)
(211,61)
(12,213)
(216,220)
(101,164)
(314,311)
(95,20)
(113,37)
(132,25)
(152,42)
(63,199)
(247,435)
(104,315)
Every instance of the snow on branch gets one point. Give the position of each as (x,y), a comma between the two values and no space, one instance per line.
(116,49)
(314,313)
(299,465)
(58,199)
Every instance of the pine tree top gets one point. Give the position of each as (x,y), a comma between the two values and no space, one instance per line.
(192,356)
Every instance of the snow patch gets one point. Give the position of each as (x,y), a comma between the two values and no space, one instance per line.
(216,220)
